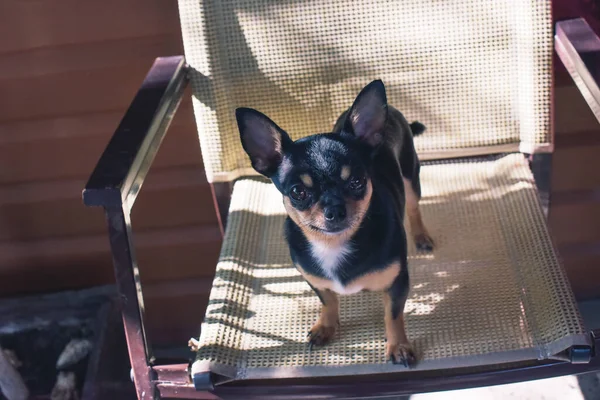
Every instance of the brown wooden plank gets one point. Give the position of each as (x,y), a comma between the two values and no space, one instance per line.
(172,321)
(37,273)
(71,93)
(34,24)
(88,124)
(182,201)
(25,144)
(47,191)
(17,255)
(36,150)
(575,223)
(86,56)
(561,75)
(582,272)
(190,257)
(571,112)
(575,168)
(57,264)
(189,297)
(30,129)
(78,92)
(576,196)
(577,139)
(74,157)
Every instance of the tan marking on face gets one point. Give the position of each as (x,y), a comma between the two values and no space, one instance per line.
(307,180)
(356,211)
(375,281)
(345,172)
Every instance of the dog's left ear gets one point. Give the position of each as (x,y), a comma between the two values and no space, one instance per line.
(368,115)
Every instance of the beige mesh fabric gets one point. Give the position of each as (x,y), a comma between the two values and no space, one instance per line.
(492,291)
(476,73)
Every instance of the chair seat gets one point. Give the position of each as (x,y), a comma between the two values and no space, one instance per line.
(493,290)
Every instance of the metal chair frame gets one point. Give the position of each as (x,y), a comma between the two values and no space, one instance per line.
(118,178)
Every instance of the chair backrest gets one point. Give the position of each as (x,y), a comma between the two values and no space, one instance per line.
(477,73)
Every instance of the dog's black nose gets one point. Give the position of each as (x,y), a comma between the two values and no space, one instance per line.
(335,213)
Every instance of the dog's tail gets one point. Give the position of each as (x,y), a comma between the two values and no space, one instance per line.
(417,128)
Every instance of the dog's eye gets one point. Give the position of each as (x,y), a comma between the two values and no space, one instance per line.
(298,193)
(356,183)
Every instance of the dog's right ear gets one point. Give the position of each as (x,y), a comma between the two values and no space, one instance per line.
(368,115)
(262,139)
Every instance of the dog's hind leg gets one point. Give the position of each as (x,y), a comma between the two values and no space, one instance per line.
(410,166)
(422,239)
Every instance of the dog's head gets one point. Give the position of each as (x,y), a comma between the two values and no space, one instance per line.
(325,178)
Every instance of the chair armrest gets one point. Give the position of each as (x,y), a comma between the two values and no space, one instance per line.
(121,170)
(578,47)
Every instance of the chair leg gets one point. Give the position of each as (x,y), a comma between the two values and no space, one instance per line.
(131,299)
(221,192)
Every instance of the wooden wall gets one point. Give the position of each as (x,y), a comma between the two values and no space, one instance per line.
(574,215)
(68,71)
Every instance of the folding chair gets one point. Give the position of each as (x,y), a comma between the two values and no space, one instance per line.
(491,305)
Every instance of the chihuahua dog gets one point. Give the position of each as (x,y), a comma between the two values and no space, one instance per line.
(345,193)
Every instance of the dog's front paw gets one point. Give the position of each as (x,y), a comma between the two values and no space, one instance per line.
(424,242)
(321,334)
(401,353)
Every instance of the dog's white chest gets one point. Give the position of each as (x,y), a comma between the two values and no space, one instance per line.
(329,258)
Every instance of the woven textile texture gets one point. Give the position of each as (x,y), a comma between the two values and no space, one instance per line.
(491,292)
(476,73)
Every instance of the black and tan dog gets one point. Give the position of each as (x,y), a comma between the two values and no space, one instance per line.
(345,193)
